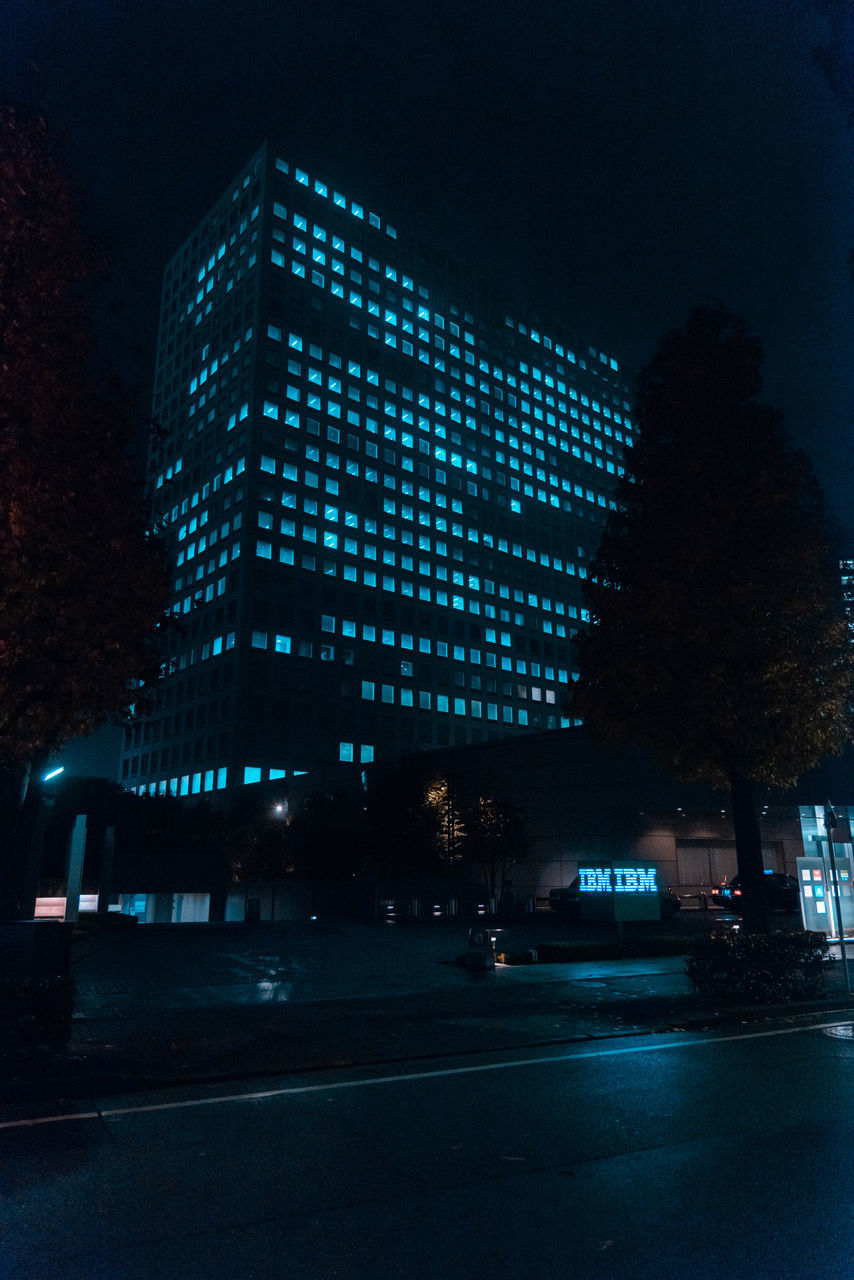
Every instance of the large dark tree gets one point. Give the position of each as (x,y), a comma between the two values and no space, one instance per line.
(718,639)
(82,586)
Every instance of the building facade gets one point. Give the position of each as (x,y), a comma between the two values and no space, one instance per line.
(380,488)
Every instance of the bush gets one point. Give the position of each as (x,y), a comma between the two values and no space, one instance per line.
(35,1014)
(760,968)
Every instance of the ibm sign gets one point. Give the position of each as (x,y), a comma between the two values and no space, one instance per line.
(617,880)
(618,889)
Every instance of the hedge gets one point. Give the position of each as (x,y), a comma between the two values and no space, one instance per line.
(760,968)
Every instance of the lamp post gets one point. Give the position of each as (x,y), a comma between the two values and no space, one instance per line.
(830,822)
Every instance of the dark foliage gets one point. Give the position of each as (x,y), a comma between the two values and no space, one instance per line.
(718,636)
(410,834)
(325,839)
(82,585)
(495,842)
(760,968)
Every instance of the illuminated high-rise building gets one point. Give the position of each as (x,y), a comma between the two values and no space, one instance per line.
(380,487)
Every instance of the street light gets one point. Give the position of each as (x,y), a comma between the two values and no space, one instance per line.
(830,822)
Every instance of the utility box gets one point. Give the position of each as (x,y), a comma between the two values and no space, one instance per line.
(622,889)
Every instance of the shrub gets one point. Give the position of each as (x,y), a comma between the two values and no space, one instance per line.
(760,968)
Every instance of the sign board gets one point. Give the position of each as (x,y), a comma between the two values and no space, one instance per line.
(622,889)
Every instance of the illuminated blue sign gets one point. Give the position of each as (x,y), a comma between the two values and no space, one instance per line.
(617,880)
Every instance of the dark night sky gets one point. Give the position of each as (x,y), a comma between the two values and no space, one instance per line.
(613,161)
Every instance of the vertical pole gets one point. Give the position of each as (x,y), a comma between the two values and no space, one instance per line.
(830,823)
(74,879)
(105,884)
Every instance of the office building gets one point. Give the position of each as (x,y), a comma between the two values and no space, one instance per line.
(380,486)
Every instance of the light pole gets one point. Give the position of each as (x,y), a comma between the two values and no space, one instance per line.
(829,826)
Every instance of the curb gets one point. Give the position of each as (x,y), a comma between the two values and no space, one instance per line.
(68,1088)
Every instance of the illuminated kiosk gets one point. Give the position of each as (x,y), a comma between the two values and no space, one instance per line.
(622,889)
(818,899)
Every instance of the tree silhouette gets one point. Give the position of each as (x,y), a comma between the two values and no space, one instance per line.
(82,586)
(718,636)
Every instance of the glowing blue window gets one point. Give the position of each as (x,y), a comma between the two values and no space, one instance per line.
(368,690)
(340,200)
(298,268)
(345,752)
(320,188)
(251,774)
(271,410)
(301,177)
(264,550)
(282,644)
(277,258)
(356,210)
(366,753)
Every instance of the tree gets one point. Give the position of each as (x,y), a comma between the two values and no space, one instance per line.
(82,585)
(441,806)
(257,850)
(495,840)
(403,832)
(718,639)
(325,838)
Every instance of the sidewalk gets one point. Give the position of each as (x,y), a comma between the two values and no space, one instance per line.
(160,1006)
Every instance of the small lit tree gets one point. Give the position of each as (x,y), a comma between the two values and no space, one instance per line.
(439,802)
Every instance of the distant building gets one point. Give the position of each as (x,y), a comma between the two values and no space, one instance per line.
(380,487)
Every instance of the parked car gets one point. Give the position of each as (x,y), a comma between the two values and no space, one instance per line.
(566,901)
(782,890)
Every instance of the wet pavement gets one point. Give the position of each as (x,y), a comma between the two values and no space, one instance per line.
(156,1005)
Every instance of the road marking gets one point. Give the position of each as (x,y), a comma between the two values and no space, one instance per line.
(107,1113)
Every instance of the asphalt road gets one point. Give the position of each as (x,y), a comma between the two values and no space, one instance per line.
(707,1155)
